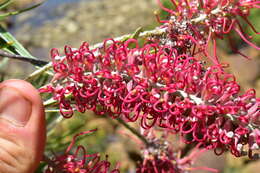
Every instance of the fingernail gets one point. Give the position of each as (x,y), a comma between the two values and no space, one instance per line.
(14,108)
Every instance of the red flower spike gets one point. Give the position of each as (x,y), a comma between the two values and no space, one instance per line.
(159,157)
(194,23)
(170,90)
(72,163)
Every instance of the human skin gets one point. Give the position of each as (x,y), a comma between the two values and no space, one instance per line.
(22,127)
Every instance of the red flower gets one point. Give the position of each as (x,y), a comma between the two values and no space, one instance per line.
(158,86)
(192,24)
(72,163)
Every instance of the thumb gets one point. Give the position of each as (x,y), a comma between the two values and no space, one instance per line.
(22,127)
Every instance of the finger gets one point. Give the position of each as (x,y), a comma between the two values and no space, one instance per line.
(22,127)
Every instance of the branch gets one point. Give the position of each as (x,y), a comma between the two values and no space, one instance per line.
(39,71)
(134,131)
(35,62)
(154,32)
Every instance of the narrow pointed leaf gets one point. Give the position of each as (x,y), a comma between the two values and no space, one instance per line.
(2,16)
(13,44)
(5,4)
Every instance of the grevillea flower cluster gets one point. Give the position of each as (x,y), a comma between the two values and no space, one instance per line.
(159,87)
(164,83)
(79,162)
(159,157)
(192,24)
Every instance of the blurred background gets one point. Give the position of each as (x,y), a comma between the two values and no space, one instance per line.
(57,23)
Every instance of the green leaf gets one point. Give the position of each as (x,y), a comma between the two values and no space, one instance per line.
(12,45)
(5,4)
(2,16)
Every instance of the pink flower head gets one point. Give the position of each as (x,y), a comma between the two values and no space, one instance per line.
(193,24)
(159,87)
(72,163)
(159,156)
